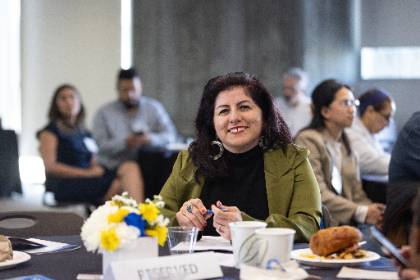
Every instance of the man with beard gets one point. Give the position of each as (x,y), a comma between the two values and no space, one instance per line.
(133,121)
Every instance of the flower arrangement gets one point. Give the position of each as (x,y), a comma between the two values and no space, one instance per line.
(121,220)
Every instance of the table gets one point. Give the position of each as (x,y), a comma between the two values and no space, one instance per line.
(67,265)
(64,265)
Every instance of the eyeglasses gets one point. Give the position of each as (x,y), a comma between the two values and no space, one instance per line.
(349,103)
(386,117)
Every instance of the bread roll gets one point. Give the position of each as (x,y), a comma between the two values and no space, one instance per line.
(6,252)
(333,239)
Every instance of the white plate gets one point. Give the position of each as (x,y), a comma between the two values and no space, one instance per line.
(301,256)
(18,257)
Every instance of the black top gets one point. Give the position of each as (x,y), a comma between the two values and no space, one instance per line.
(244,187)
(71,148)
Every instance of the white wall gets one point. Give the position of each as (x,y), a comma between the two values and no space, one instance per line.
(75,42)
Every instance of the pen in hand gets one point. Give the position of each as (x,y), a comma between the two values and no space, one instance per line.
(210,212)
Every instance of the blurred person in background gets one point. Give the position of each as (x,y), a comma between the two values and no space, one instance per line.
(412,252)
(398,213)
(374,114)
(405,157)
(133,121)
(294,105)
(332,158)
(69,154)
(375,111)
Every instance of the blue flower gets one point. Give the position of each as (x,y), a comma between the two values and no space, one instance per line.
(137,221)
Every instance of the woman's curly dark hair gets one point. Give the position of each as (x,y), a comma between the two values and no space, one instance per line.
(275,132)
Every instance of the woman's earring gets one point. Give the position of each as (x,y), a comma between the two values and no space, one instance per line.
(220,147)
(261,143)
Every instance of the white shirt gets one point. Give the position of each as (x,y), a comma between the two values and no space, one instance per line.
(296,117)
(112,125)
(336,149)
(373,159)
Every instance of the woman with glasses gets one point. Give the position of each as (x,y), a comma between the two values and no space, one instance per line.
(374,114)
(334,163)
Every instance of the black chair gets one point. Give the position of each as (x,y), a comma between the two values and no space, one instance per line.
(49,201)
(326,219)
(156,165)
(9,164)
(375,190)
(29,224)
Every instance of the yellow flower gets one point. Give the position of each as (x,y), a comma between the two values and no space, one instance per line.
(109,240)
(118,216)
(159,232)
(149,212)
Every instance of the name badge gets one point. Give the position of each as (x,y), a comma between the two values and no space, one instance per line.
(186,266)
(336,180)
(91,145)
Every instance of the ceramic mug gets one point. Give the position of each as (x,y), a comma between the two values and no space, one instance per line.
(276,245)
(244,241)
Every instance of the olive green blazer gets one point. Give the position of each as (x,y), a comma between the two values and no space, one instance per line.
(293,194)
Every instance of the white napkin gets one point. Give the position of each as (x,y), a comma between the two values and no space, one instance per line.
(355,273)
(225,259)
(49,246)
(206,243)
(213,243)
(292,272)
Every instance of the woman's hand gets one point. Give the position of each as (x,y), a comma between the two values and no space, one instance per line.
(95,171)
(223,215)
(375,214)
(193,214)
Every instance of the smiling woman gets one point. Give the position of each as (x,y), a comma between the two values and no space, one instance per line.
(237,120)
(242,165)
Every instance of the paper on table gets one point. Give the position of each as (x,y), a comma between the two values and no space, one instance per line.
(207,243)
(225,259)
(213,243)
(49,246)
(354,273)
(291,271)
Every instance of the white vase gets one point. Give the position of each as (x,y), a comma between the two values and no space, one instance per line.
(143,247)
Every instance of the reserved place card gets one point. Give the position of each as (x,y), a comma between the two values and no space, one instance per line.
(355,273)
(186,266)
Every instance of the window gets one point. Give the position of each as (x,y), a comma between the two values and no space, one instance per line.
(10,96)
(126,34)
(390,63)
